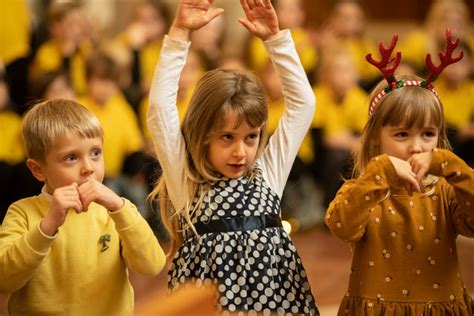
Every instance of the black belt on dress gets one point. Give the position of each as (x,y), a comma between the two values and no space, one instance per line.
(233,224)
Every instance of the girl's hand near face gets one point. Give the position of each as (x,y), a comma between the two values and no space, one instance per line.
(192,15)
(406,175)
(262,20)
(420,164)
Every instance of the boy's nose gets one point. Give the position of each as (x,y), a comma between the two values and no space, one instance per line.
(87,168)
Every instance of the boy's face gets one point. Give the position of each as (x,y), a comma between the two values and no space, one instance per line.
(72,158)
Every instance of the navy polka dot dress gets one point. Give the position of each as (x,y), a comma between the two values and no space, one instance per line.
(244,251)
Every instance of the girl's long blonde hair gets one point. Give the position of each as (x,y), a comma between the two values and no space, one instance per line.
(410,105)
(217,93)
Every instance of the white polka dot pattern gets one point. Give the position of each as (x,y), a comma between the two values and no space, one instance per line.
(257,270)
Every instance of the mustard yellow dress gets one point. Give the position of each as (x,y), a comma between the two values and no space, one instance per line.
(404,247)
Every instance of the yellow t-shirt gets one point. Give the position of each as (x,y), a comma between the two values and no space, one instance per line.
(458,103)
(14,30)
(122,135)
(11,144)
(333,118)
(50,58)
(304,47)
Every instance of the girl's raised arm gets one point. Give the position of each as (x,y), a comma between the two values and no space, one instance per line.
(192,15)
(262,20)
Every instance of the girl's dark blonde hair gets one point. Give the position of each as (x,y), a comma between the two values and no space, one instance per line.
(409,105)
(47,120)
(218,93)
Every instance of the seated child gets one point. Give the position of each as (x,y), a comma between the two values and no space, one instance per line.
(75,240)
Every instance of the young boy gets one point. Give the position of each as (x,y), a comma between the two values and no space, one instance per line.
(67,250)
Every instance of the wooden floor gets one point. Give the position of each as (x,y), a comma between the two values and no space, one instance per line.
(327,261)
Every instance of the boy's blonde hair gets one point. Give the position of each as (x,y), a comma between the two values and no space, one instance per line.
(217,93)
(47,120)
(410,105)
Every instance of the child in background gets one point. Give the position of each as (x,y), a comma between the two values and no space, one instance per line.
(341,117)
(442,14)
(410,198)
(346,25)
(140,44)
(69,44)
(11,145)
(77,239)
(222,183)
(122,135)
(456,88)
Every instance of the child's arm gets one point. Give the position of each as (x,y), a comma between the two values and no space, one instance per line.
(140,248)
(162,116)
(283,146)
(460,176)
(355,202)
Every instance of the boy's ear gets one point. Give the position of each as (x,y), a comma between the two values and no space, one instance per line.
(36,169)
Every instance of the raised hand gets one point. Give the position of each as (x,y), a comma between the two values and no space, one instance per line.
(95,191)
(262,20)
(192,15)
(406,175)
(420,164)
(63,199)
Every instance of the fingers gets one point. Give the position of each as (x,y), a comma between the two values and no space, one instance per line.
(213,13)
(249,26)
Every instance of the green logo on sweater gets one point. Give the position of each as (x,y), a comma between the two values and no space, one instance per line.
(103,241)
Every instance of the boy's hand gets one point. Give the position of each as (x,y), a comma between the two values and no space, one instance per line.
(95,191)
(262,20)
(192,15)
(406,175)
(63,199)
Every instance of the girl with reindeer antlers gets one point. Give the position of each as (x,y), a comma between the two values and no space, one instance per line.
(409,199)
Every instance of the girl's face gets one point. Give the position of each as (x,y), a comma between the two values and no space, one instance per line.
(233,150)
(403,142)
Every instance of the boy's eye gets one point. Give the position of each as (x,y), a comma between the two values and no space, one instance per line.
(70,157)
(96,152)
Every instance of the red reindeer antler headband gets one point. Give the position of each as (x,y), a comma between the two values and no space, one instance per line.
(389,71)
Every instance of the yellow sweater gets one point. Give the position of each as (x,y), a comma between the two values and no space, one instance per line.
(71,273)
(458,104)
(14,31)
(332,118)
(11,144)
(404,247)
(50,58)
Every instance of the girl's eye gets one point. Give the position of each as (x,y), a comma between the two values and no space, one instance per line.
(430,134)
(253,136)
(227,137)
(401,134)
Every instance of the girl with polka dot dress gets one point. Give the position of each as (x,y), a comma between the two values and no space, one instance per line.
(409,200)
(222,178)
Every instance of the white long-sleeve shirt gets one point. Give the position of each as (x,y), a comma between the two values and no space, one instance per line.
(278,156)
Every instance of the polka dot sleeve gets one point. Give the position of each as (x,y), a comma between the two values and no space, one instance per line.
(357,199)
(461,188)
